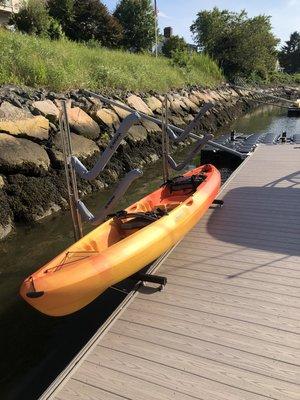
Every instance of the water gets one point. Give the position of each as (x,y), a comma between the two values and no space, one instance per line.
(35,348)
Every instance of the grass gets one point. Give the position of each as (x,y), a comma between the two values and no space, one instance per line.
(62,65)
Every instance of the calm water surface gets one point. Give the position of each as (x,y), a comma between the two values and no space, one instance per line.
(35,348)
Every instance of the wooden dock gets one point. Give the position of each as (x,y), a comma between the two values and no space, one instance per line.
(227,325)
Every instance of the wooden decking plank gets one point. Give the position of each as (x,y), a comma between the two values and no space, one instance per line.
(207,369)
(228,311)
(225,324)
(244,292)
(169,377)
(252,345)
(242,303)
(240,256)
(279,267)
(240,281)
(212,351)
(83,391)
(124,383)
(271,274)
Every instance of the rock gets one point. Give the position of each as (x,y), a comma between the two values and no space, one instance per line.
(151,127)
(57,103)
(107,117)
(12,113)
(204,97)
(138,104)
(176,107)
(5,229)
(192,106)
(32,128)
(82,123)
(137,133)
(153,103)
(81,146)
(195,99)
(47,109)
(188,118)
(40,213)
(2,183)
(22,155)
(120,111)
(177,121)
(19,122)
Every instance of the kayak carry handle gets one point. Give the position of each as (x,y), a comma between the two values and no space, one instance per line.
(112,147)
(35,295)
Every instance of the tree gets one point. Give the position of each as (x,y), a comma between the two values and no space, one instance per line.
(290,54)
(242,46)
(174,43)
(33,18)
(92,20)
(62,11)
(137,18)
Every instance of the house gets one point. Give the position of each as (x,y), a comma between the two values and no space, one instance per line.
(7,8)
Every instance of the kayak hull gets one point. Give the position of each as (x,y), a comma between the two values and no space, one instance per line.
(106,256)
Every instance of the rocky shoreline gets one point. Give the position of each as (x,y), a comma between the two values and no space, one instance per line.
(31,168)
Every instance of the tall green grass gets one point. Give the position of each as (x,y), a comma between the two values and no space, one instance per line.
(62,65)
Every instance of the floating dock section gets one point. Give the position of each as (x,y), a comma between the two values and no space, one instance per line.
(227,325)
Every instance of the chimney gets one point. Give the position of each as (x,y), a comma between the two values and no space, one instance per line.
(168,32)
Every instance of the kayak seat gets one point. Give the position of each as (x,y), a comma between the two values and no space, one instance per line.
(129,221)
(182,183)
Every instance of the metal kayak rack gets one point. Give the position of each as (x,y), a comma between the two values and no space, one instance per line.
(176,134)
(73,165)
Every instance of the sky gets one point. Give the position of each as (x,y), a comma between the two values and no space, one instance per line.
(181,13)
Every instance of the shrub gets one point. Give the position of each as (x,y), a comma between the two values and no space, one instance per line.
(174,43)
(33,18)
(181,59)
(55,31)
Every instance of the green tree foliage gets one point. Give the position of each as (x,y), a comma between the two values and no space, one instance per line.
(242,46)
(174,43)
(92,20)
(137,18)
(62,11)
(290,54)
(33,18)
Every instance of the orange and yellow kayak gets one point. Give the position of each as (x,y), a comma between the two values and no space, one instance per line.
(122,245)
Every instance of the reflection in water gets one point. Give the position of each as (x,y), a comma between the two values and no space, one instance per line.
(35,347)
(266,120)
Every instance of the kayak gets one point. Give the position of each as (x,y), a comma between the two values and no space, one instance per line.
(128,241)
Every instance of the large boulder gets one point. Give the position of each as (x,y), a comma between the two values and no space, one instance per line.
(10,112)
(153,103)
(151,127)
(120,111)
(138,104)
(107,117)
(47,109)
(137,133)
(191,106)
(81,147)
(19,122)
(82,123)
(177,107)
(22,155)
